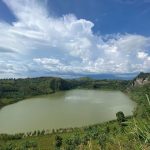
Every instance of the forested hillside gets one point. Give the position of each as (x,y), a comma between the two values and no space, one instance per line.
(139,91)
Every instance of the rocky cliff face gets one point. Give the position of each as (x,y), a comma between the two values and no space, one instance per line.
(141,79)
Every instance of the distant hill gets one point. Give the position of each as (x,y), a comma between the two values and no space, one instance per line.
(127,76)
(121,76)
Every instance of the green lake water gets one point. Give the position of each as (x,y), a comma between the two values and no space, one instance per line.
(72,108)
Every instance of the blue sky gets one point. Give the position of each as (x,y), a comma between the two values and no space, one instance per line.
(109,16)
(52,37)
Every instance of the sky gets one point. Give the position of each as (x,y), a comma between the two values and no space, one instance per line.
(66,37)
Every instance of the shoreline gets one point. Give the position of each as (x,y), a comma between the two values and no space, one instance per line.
(105,122)
(68,129)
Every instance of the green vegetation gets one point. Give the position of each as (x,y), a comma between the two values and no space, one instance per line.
(138,94)
(101,84)
(125,133)
(120,117)
(58,142)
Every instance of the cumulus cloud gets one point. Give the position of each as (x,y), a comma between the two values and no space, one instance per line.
(142,55)
(37,41)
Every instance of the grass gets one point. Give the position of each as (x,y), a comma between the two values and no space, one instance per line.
(135,135)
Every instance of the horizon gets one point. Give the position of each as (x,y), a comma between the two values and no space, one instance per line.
(120,77)
(53,37)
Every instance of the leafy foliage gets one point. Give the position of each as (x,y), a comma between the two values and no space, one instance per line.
(120,117)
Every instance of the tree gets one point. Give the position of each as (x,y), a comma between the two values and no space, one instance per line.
(120,117)
(58,142)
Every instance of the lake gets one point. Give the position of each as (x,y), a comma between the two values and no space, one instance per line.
(74,108)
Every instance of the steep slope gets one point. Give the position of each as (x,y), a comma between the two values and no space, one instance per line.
(141,79)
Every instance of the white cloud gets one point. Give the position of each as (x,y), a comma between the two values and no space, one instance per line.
(66,44)
(142,55)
